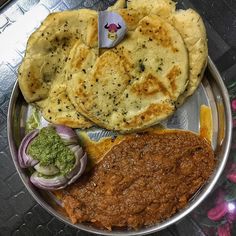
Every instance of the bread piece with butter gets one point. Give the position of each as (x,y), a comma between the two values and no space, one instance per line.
(46,55)
(190,26)
(135,84)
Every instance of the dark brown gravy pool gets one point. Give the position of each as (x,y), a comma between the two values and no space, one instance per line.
(141,181)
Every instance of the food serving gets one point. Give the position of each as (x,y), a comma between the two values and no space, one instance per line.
(141,175)
(129,87)
(141,181)
(135,84)
(54,153)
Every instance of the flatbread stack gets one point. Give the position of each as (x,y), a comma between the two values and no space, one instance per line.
(132,86)
(42,76)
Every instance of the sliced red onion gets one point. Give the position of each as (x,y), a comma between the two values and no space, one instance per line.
(78,169)
(47,170)
(79,154)
(53,183)
(67,134)
(24,159)
(77,150)
(60,182)
(43,176)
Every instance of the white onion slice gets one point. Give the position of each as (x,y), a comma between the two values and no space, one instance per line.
(46,170)
(78,169)
(67,134)
(53,183)
(77,150)
(24,159)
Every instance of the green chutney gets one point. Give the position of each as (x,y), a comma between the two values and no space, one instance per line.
(48,148)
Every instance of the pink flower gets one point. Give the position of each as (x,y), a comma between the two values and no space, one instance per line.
(224,230)
(220,197)
(234,123)
(232,173)
(233,104)
(218,211)
(232,177)
(233,167)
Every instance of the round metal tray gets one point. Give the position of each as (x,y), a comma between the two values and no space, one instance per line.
(211,92)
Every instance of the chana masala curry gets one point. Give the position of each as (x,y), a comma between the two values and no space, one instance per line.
(141,180)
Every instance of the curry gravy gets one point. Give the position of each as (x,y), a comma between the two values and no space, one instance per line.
(142,180)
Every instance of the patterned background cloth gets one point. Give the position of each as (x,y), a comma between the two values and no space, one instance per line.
(19,213)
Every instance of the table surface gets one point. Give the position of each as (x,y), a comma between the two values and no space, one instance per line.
(19,213)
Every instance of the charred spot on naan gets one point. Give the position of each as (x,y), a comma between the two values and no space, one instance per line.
(81,59)
(172,75)
(149,87)
(147,116)
(153,27)
(114,64)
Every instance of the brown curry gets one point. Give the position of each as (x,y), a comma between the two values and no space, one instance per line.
(141,181)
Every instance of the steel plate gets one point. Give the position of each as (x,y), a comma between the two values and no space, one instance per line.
(211,92)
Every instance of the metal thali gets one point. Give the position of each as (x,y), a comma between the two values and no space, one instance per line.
(211,92)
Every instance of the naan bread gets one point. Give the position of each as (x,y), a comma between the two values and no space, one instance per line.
(42,72)
(47,54)
(190,26)
(58,109)
(131,17)
(48,49)
(138,9)
(62,60)
(162,8)
(135,84)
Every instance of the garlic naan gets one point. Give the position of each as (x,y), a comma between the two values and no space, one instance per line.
(47,54)
(190,26)
(162,8)
(140,82)
(135,84)
(58,109)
